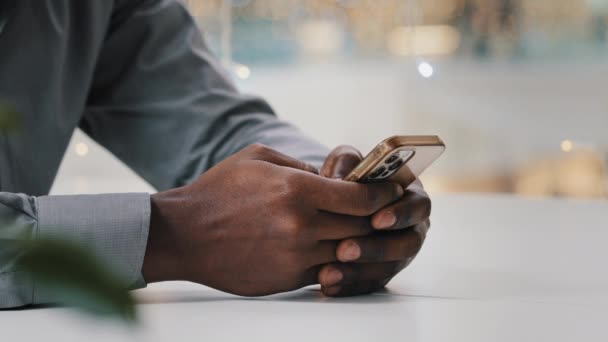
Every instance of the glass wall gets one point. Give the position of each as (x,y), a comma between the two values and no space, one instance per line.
(516,88)
(287,31)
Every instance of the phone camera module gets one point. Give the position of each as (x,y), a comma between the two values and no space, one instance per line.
(394,166)
(391,159)
(378,172)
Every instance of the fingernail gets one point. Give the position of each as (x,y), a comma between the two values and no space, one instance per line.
(400,191)
(387,220)
(332,291)
(332,277)
(351,252)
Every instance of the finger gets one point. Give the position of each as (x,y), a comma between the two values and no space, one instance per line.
(350,198)
(340,162)
(264,153)
(417,186)
(330,226)
(412,209)
(323,253)
(356,279)
(341,274)
(388,246)
(362,287)
(310,276)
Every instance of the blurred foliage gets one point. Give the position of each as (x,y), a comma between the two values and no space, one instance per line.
(77,279)
(9,119)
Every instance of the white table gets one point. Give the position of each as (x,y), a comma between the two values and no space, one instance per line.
(495,268)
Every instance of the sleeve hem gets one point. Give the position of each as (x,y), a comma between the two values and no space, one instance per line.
(16,289)
(113,226)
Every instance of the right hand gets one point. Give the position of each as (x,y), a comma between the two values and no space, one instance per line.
(257,223)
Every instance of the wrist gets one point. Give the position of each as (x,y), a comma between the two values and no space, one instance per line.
(162,261)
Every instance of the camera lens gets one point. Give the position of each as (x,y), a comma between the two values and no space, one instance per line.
(392,158)
(396,165)
(385,174)
(378,172)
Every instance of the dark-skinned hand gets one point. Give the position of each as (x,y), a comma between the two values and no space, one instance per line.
(367,263)
(260,223)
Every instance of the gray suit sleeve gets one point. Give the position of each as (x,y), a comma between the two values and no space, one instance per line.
(163,105)
(113,226)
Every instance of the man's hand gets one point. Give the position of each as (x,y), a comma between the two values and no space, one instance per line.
(260,222)
(367,263)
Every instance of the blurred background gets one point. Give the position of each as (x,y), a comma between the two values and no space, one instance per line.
(516,88)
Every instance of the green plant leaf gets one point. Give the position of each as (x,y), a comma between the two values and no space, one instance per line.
(9,119)
(77,279)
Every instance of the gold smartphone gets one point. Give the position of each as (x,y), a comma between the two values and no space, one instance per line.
(398,159)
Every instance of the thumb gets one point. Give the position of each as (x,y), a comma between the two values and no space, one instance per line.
(340,162)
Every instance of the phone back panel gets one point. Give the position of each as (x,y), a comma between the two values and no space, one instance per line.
(414,154)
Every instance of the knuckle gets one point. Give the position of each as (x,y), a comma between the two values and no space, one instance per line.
(259,150)
(296,230)
(286,189)
(291,224)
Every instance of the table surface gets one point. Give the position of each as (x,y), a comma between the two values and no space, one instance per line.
(494,268)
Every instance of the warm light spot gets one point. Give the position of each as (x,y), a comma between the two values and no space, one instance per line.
(320,38)
(81,149)
(425,69)
(242,71)
(567,145)
(423,40)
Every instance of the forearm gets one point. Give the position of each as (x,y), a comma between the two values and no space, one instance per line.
(113,227)
(175,113)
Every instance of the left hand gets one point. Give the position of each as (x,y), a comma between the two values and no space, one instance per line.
(368,263)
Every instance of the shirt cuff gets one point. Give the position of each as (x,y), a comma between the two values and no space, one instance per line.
(114,226)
